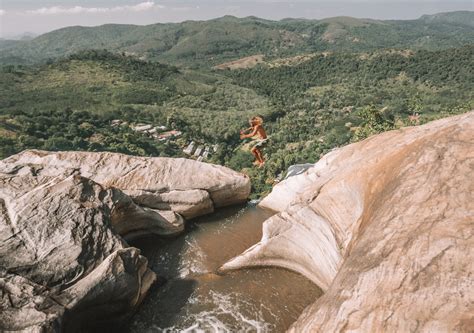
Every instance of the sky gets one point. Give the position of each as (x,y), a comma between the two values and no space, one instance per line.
(38,16)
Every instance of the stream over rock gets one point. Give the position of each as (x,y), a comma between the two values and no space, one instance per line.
(196,299)
(385,227)
(63,261)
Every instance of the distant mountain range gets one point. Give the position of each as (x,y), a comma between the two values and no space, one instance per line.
(23,36)
(207,43)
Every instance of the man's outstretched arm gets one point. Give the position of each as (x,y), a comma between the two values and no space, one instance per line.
(246,130)
(244,136)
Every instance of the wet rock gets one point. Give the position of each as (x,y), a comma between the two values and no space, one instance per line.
(294,232)
(385,227)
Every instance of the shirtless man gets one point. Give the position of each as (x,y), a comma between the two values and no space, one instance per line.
(256,130)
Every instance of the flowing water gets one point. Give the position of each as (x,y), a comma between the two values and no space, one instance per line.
(195,299)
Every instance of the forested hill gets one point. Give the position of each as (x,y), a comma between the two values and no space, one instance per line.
(207,43)
(460,17)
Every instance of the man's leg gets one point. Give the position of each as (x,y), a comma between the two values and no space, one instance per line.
(255,154)
(260,156)
(260,160)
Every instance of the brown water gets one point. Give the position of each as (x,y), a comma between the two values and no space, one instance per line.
(195,299)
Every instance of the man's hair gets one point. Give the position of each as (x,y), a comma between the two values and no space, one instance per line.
(258,120)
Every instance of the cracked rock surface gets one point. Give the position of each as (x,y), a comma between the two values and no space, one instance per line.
(63,261)
(385,227)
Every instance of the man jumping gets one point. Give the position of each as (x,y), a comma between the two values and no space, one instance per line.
(260,141)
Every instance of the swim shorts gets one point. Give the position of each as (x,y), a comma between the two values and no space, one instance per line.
(259,143)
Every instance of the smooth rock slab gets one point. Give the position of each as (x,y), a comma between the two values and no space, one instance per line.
(154,175)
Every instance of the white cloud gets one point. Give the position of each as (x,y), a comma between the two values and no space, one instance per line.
(2,12)
(141,7)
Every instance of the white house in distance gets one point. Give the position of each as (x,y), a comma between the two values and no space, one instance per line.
(189,149)
(118,122)
(157,132)
(206,152)
(198,151)
(142,127)
(166,135)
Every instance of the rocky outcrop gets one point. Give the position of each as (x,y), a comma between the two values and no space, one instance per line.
(385,227)
(184,186)
(63,216)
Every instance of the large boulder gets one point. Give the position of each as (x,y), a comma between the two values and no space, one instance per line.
(385,227)
(55,238)
(175,184)
(63,259)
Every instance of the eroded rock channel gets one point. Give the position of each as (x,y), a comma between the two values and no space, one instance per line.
(195,299)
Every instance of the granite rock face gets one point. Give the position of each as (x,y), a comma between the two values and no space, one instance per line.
(175,184)
(385,227)
(63,216)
